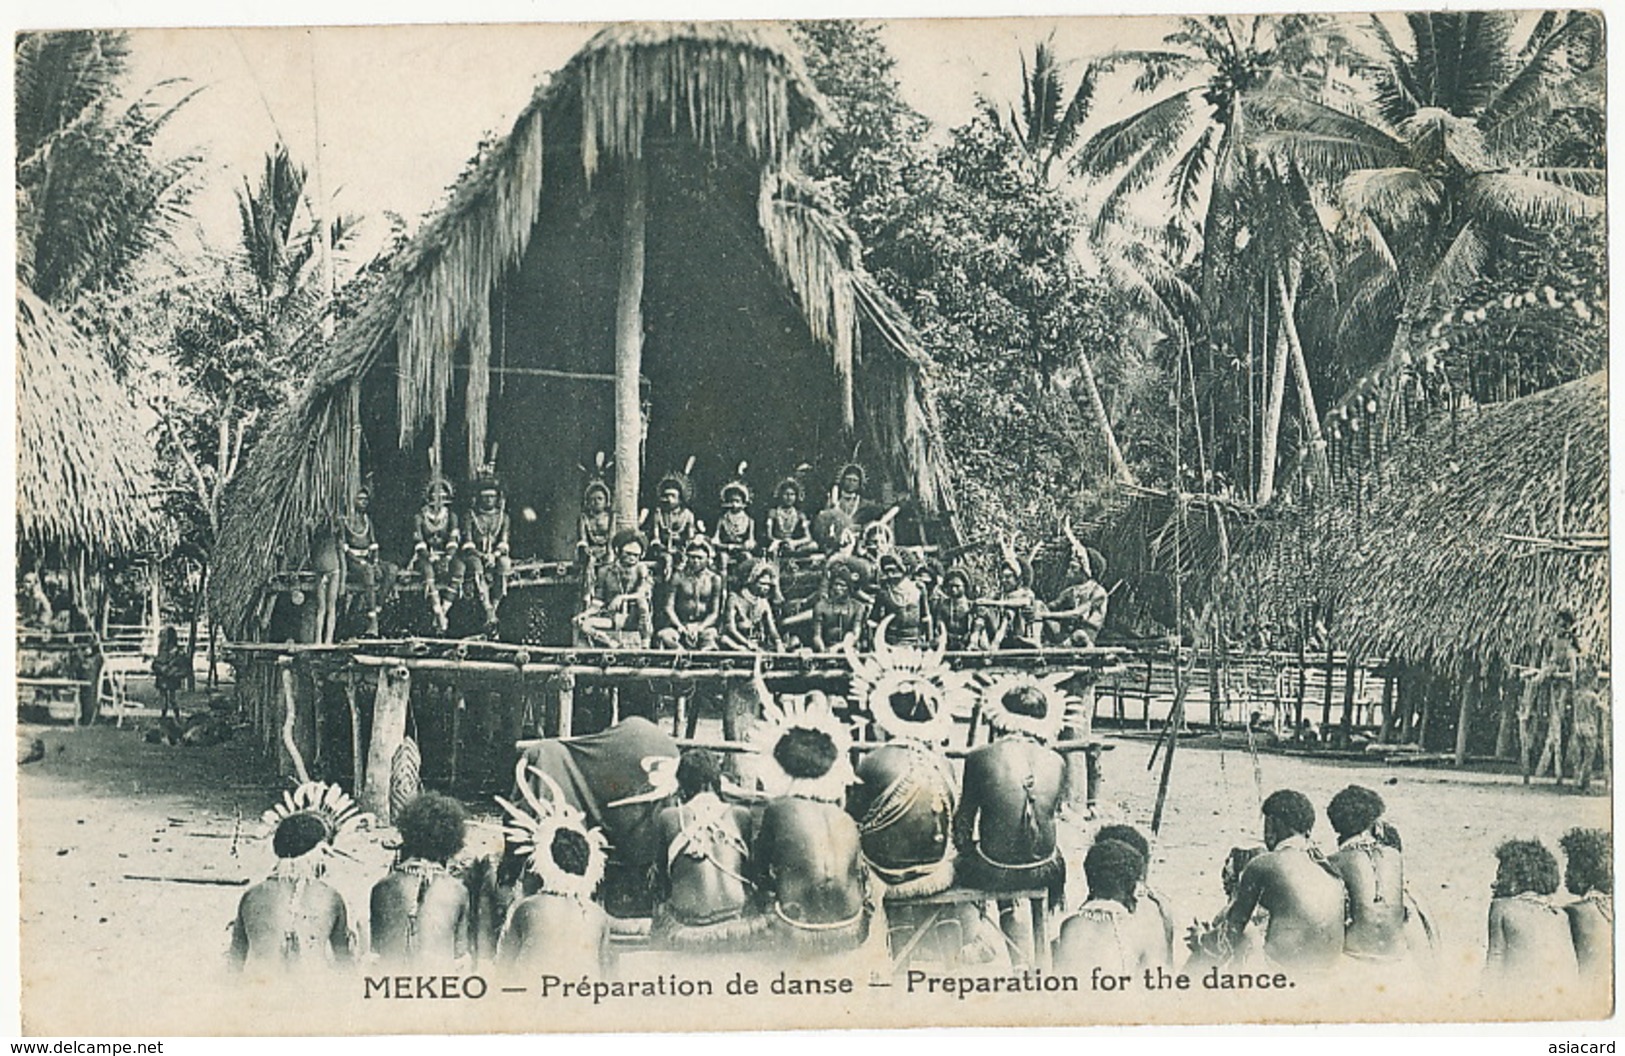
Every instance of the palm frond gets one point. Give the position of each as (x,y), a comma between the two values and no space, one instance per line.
(1185,178)
(1119,143)
(1509,199)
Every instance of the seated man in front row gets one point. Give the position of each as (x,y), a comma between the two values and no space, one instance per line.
(1109,932)
(703,877)
(1005,827)
(1295,884)
(617,615)
(694,602)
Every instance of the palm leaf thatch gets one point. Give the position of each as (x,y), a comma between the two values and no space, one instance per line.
(84,470)
(1443,565)
(726,103)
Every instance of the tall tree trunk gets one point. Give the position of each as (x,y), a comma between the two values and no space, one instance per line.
(1300,369)
(1091,388)
(1272,419)
(629,347)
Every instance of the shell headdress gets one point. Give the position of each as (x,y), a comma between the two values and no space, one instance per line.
(329,804)
(891,672)
(532,831)
(1001,718)
(811,713)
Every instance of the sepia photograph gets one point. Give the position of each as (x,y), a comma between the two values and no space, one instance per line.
(834,523)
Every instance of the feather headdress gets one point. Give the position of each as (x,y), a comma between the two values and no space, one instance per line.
(737,486)
(892,674)
(1043,727)
(809,716)
(596,476)
(679,479)
(532,833)
(329,804)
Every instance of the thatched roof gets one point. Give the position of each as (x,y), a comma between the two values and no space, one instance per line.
(732,89)
(1466,550)
(84,470)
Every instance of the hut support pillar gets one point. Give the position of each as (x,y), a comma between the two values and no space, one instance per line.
(388,731)
(629,346)
(1468,688)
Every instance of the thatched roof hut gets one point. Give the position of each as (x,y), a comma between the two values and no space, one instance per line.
(504,322)
(84,469)
(1483,527)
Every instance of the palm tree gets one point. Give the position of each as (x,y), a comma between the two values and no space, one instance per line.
(1447,165)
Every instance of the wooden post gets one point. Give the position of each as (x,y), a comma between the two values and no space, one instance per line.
(459,702)
(1349,671)
(629,345)
(1462,719)
(566,686)
(1503,732)
(388,731)
(1429,690)
(357,761)
(1326,702)
(1389,718)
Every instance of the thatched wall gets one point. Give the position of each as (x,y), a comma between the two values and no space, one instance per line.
(84,469)
(1422,569)
(764,340)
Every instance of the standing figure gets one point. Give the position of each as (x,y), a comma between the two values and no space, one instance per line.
(673,523)
(837,615)
(420,911)
(485,547)
(693,602)
(1373,874)
(294,920)
(1005,827)
(705,894)
(436,538)
(169,670)
(1589,876)
(327,561)
(618,614)
(748,624)
(789,533)
(814,882)
(558,927)
(953,615)
(1106,934)
(1531,949)
(1547,698)
(1593,730)
(1295,884)
(361,562)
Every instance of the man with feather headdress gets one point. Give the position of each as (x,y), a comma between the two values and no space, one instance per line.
(705,891)
(294,920)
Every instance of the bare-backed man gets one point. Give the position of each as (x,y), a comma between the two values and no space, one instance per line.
(420,910)
(1373,875)
(1589,876)
(1107,932)
(704,883)
(1531,949)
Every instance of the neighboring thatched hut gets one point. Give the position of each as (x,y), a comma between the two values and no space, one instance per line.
(84,469)
(1454,566)
(636,269)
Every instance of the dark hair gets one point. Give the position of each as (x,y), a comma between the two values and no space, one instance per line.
(959,574)
(628,535)
(1126,834)
(431,827)
(1590,854)
(1111,867)
(1025,700)
(1355,809)
(1388,836)
(1236,863)
(1524,865)
(570,851)
(1290,809)
(298,835)
(805,753)
(698,771)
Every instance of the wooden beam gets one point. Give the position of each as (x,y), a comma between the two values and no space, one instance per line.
(629,344)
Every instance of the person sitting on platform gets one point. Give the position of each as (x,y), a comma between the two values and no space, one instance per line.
(789,533)
(361,562)
(1373,875)
(1005,827)
(748,623)
(693,601)
(420,910)
(1294,882)
(735,533)
(900,600)
(294,920)
(1009,619)
(33,605)
(954,616)
(814,882)
(1589,876)
(557,927)
(673,525)
(618,614)
(705,894)
(1075,618)
(436,540)
(837,616)
(1150,911)
(594,526)
(1531,948)
(835,527)
(485,547)
(1107,933)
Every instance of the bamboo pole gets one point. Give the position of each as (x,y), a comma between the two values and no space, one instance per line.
(388,731)
(629,345)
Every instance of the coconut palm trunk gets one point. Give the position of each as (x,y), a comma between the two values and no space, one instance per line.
(629,346)
(1272,419)
(1300,370)
(1097,405)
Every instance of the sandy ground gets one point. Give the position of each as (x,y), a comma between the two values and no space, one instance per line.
(103,952)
